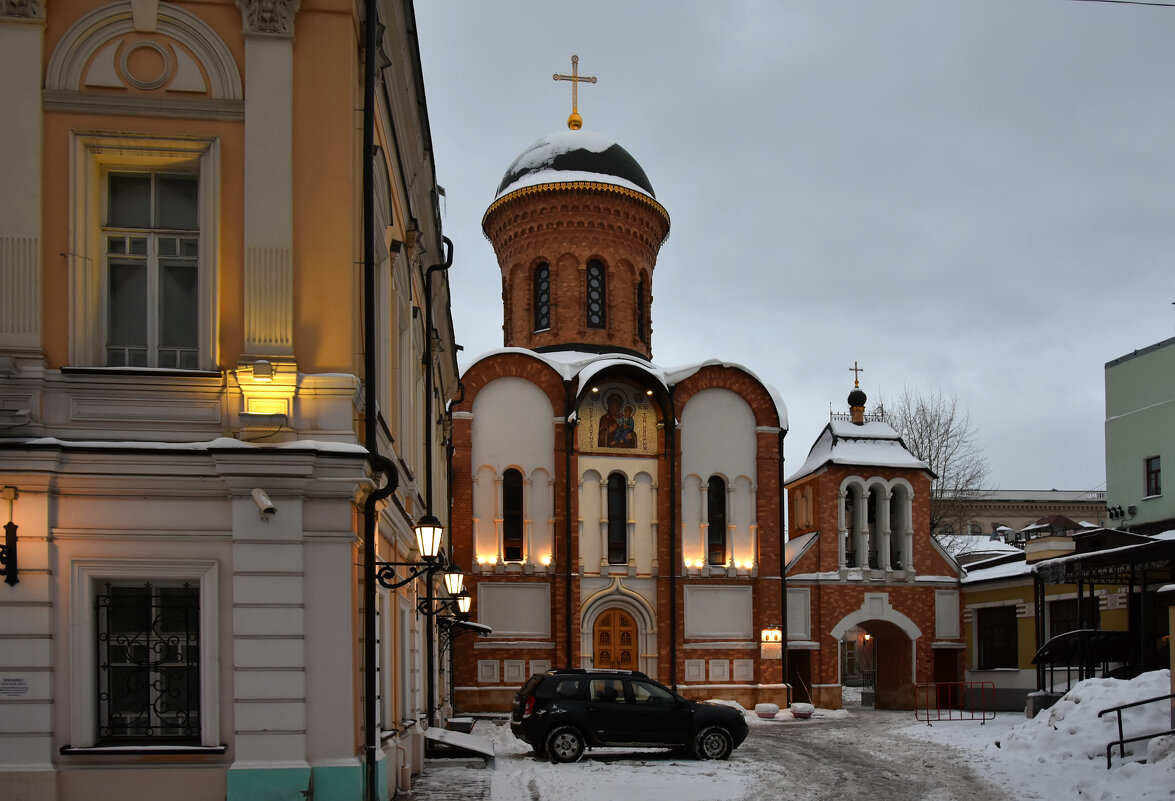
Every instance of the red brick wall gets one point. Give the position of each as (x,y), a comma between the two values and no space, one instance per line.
(566,227)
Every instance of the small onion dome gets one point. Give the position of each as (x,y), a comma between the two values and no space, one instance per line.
(857,398)
(575,155)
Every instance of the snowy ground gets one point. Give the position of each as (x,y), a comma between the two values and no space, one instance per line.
(1061,753)
(858,753)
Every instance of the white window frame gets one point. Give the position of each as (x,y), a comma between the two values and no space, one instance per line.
(93,155)
(86,577)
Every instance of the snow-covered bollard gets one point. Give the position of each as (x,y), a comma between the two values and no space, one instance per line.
(802,711)
(767,711)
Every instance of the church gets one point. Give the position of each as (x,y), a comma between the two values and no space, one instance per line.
(613,513)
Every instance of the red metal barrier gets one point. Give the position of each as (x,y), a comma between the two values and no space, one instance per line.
(955,700)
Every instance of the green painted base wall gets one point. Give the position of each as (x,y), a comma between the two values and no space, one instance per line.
(338,783)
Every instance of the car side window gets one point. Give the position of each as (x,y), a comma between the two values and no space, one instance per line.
(609,691)
(567,688)
(650,694)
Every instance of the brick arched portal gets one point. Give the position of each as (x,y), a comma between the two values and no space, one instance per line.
(895,635)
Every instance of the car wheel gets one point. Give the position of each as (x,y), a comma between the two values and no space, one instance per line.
(713,742)
(565,744)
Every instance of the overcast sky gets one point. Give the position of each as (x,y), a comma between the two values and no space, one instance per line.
(975,196)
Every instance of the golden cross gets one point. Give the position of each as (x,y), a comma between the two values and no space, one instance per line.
(856,371)
(575,122)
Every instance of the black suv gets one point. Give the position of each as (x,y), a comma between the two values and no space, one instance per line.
(561,712)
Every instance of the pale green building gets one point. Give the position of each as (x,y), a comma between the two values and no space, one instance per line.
(1140,439)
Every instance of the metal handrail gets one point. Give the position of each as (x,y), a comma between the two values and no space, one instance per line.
(1120,742)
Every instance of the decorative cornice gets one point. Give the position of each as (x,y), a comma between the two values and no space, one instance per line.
(22,9)
(196,108)
(590,185)
(267,17)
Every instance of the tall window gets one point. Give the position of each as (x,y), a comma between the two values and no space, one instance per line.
(1154,484)
(596,294)
(152,270)
(617,520)
(716,517)
(512,516)
(542,297)
(148,646)
(995,637)
(642,306)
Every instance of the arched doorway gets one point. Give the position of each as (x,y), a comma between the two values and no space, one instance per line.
(614,640)
(892,637)
(891,652)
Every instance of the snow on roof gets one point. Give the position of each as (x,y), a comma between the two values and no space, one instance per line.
(977,572)
(579,155)
(873,444)
(220,443)
(794,548)
(567,177)
(964,544)
(571,365)
(1052,495)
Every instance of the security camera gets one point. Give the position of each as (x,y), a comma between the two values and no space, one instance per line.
(264,504)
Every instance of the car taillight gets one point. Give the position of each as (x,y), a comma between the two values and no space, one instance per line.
(528,707)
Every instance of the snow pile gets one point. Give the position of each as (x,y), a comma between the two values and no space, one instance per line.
(1061,753)
(1071,729)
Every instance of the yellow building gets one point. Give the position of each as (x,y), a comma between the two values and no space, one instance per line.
(1014,605)
(191,396)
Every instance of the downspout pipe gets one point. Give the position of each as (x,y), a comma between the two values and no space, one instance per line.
(379,464)
(674,558)
(568,443)
(783,561)
(429,425)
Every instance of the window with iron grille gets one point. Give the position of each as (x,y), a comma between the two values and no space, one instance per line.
(542,297)
(148,663)
(995,637)
(1154,484)
(596,294)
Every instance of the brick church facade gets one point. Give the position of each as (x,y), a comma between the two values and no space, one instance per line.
(612,513)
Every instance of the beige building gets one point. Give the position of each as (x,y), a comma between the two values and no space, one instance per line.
(191,395)
(1017,509)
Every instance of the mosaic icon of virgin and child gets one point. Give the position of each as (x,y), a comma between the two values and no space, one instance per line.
(617,425)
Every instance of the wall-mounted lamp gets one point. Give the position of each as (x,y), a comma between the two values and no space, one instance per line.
(455,605)
(8,548)
(771,643)
(428,532)
(262,371)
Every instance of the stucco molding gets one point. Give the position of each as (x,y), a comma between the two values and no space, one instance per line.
(31,10)
(268,17)
(101,30)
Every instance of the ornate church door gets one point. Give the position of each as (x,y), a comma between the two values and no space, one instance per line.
(615,641)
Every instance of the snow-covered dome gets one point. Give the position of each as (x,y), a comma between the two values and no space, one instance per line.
(569,156)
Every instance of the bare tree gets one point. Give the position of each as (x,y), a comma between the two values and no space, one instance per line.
(940,433)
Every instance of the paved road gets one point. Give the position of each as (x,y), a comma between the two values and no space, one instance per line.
(859,758)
